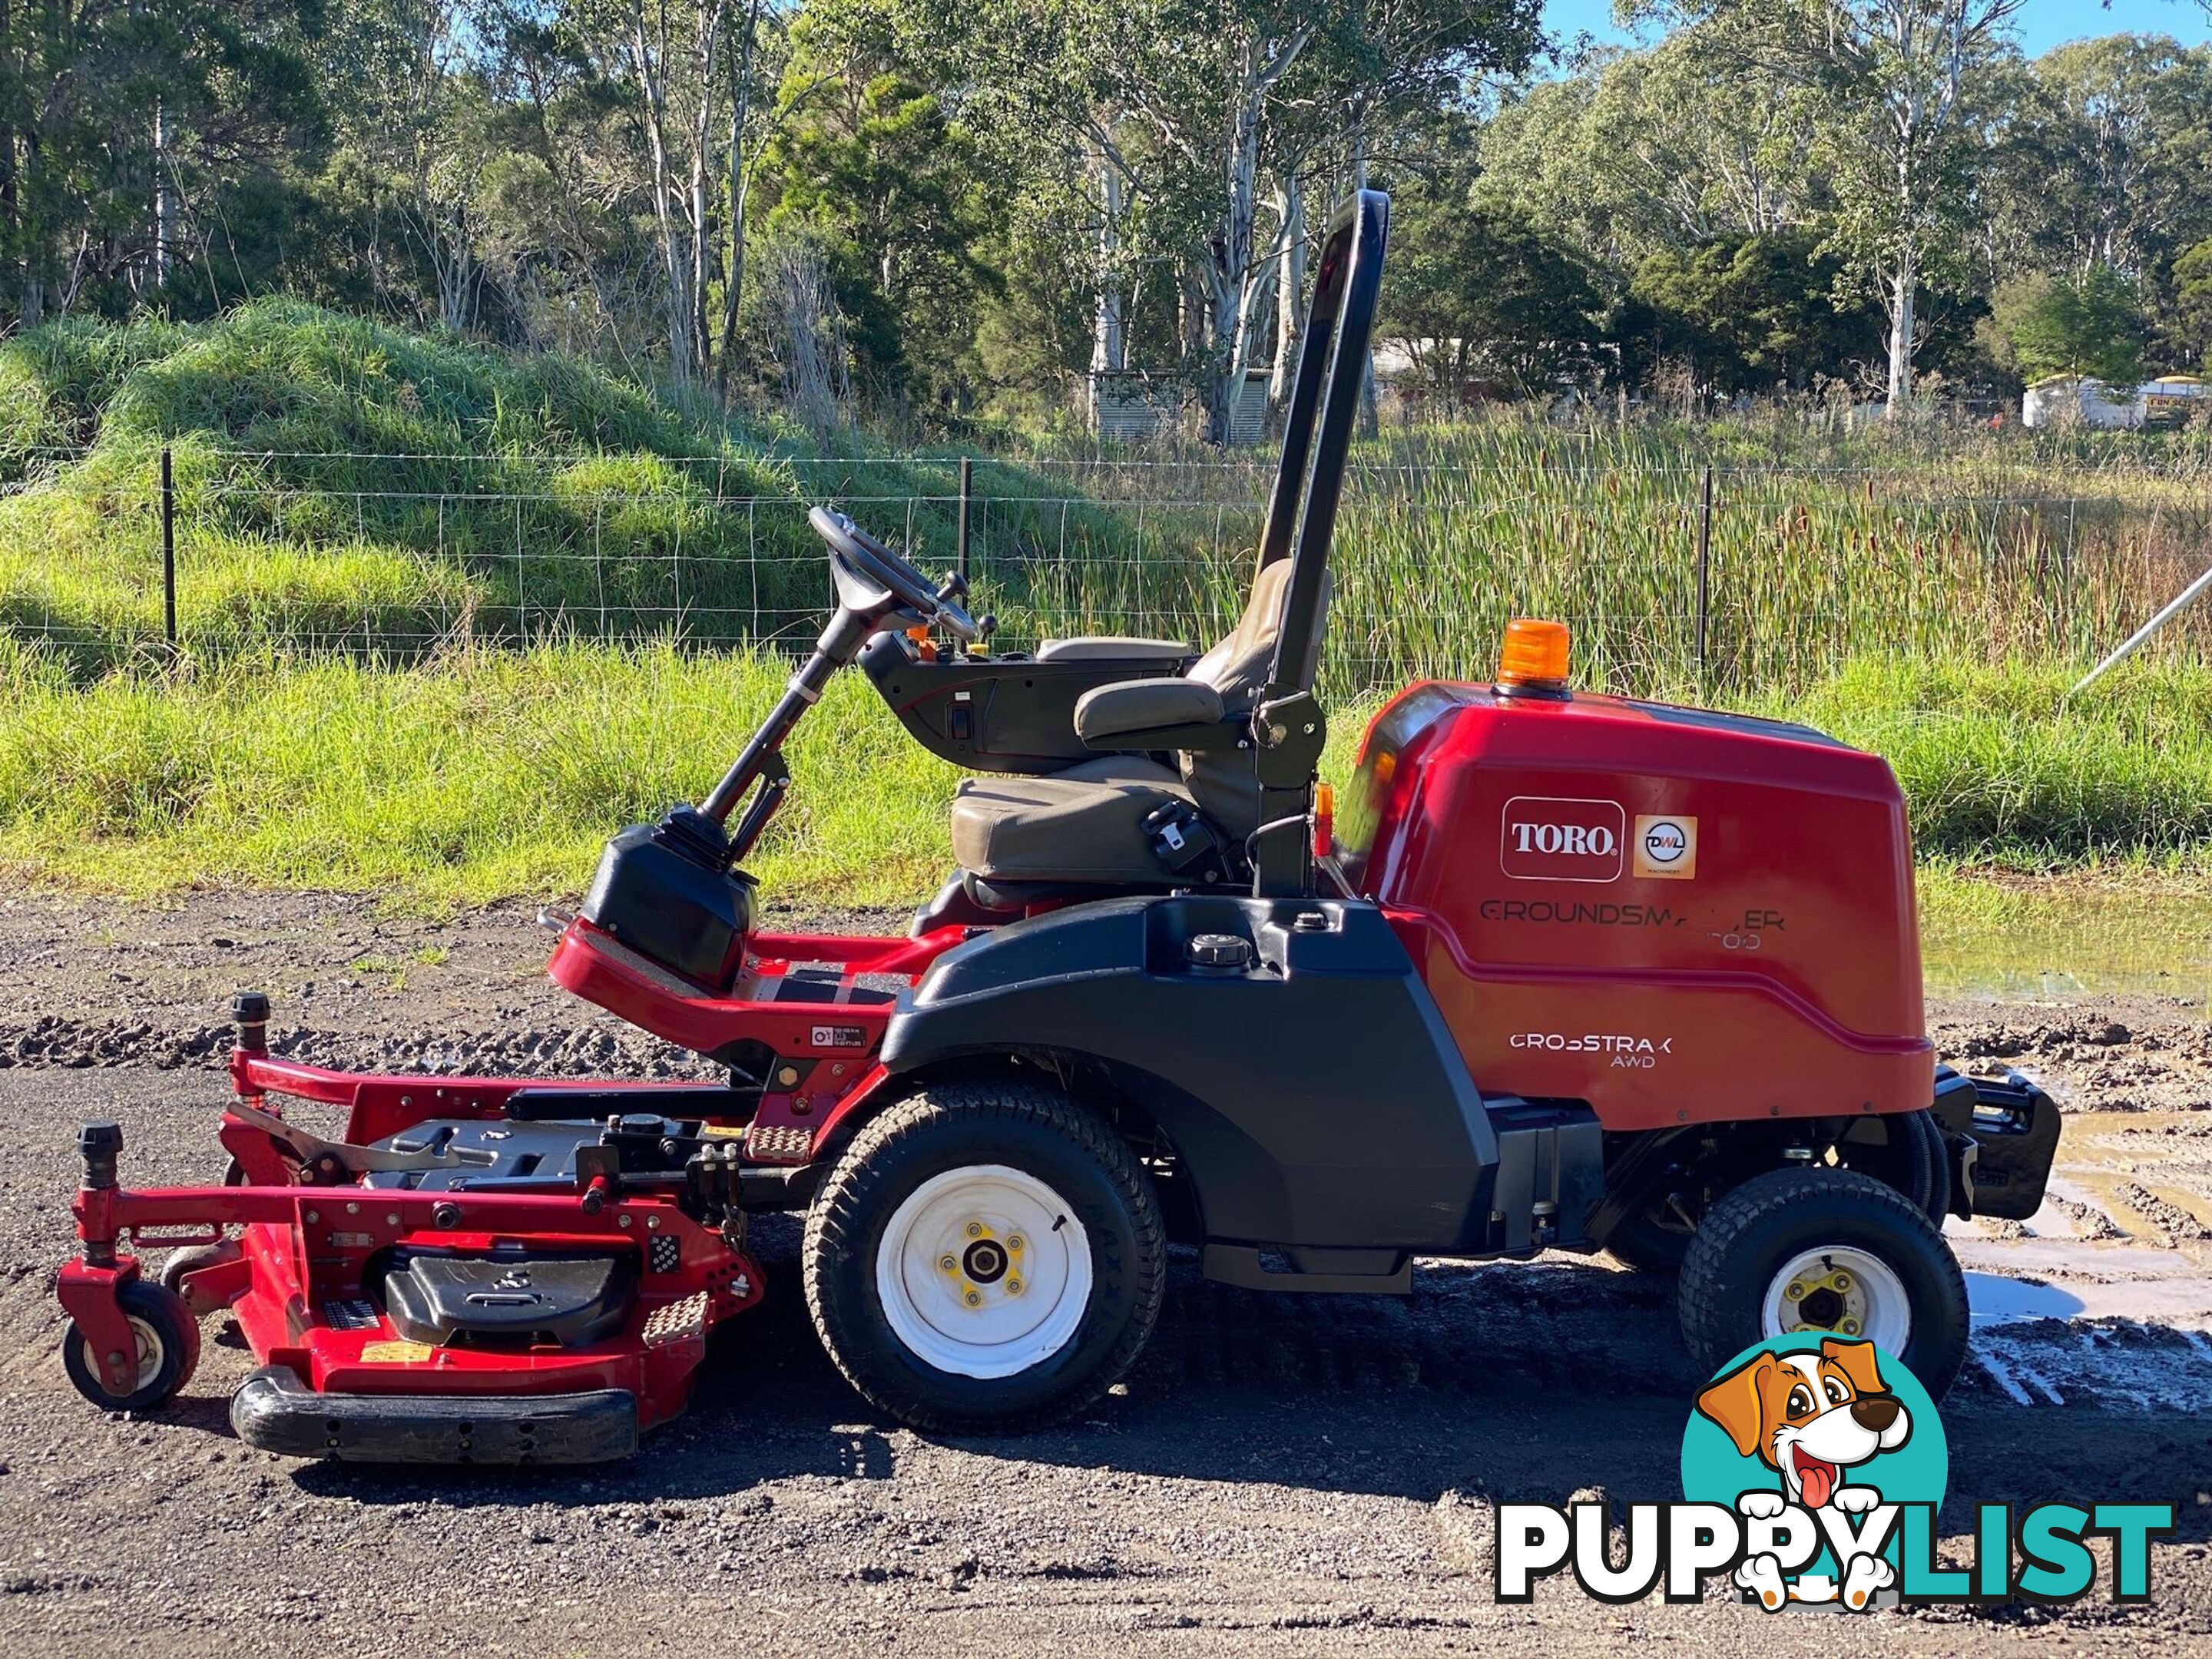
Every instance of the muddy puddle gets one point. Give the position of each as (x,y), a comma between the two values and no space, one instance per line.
(2060,944)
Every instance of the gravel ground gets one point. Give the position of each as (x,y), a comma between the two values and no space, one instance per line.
(1282,1475)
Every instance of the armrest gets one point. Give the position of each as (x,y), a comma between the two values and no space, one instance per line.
(1098,648)
(1148,706)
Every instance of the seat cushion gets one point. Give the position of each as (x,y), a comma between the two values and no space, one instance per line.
(1083,824)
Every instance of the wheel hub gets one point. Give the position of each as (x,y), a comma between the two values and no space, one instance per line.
(126,1374)
(1827,1303)
(984,1271)
(985,1262)
(1842,1289)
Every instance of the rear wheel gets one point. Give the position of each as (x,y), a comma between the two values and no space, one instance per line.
(167,1340)
(1825,1250)
(984,1256)
(1904,1150)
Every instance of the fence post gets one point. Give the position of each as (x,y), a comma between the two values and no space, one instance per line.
(168,550)
(967,502)
(1704,571)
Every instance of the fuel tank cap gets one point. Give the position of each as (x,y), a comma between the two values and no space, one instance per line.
(1219,953)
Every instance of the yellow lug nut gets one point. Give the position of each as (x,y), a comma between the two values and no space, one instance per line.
(1013,1240)
(950,1264)
(974,1230)
(974,1299)
(1014,1287)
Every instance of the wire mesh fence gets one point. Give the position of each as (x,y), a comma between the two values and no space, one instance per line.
(399,555)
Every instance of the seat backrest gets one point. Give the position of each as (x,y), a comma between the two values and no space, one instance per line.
(1224,780)
(1237,666)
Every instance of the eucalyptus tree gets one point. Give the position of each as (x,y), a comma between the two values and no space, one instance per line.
(1193,127)
(1900,137)
(1637,152)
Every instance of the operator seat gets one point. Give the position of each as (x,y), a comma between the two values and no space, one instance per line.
(1085,826)
(1179,790)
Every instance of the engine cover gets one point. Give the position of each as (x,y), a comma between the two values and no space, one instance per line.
(1676,915)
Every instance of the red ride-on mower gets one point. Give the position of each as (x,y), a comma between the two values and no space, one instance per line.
(1571,972)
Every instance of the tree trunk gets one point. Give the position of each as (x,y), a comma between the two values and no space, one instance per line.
(1903,295)
(36,256)
(675,257)
(1109,342)
(1228,274)
(708,39)
(1290,293)
(741,104)
(165,204)
(1370,417)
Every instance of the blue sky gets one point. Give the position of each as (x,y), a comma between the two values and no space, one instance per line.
(2043,23)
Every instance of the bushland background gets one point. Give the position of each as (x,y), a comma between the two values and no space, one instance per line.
(496,348)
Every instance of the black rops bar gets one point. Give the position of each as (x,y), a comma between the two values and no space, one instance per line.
(1288,727)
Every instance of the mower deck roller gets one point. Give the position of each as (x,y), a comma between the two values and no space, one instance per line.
(277,1412)
(1568,972)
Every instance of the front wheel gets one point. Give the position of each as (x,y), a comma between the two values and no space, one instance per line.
(1824,1251)
(984,1255)
(169,1351)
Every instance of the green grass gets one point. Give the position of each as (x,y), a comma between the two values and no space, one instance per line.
(345,485)
(494,773)
(450,616)
(2001,769)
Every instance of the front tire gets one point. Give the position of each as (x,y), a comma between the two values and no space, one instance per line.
(1824,1250)
(168,1342)
(984,1255)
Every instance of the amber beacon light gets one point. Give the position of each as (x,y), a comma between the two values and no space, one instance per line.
(1534,657)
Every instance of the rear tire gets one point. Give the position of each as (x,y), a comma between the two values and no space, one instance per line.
(168,1340)
(985,1255)
(1818,1249)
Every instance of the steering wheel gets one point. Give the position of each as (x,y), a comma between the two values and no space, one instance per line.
(938,605)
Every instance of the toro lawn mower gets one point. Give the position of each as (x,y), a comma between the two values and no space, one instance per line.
(1571,972)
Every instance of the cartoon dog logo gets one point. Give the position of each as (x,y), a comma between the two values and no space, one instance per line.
(1810,1417)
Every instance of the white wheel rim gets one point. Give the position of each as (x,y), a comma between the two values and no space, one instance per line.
(150,1356)
(1842,1290)
(1019,1278)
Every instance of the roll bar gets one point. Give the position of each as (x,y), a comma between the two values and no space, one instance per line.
(1317,434)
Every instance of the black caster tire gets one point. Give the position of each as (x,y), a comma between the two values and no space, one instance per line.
(194,1257)
(984,1257)
(1825,1250)
(169,1349)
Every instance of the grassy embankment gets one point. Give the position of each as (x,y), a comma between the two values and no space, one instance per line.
(452,678)
(501,772)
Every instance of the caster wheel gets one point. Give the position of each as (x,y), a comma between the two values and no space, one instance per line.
(191,1260)
(168,1340)
(985,1256)
(1825,1250)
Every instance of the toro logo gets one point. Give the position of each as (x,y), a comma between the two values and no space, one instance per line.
(1556,838)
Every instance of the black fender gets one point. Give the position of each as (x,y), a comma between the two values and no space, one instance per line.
(1306,1078)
